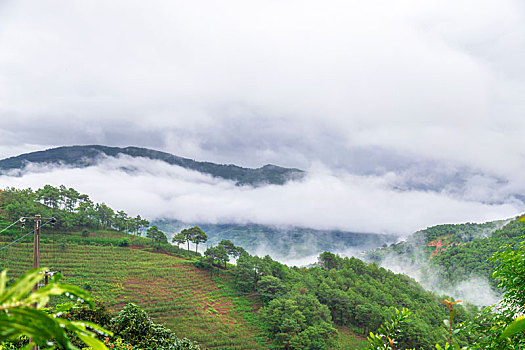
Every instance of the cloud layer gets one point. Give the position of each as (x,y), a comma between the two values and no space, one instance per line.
(324,200)
(407,113)
(287,82)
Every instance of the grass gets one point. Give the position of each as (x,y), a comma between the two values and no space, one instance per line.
(349,340)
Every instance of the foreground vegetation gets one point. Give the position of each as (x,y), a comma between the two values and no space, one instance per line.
(25,322)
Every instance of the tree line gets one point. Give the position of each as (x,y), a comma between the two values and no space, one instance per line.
(71,209)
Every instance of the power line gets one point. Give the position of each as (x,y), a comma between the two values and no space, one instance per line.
(9,244)
(10,225)
(27,234)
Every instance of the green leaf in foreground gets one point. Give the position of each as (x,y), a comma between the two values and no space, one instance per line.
(518,325)
(19,317)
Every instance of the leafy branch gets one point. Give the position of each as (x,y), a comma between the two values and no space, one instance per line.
(22,313)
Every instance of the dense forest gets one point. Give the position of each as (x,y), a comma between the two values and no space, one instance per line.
(303,304)
(421,243)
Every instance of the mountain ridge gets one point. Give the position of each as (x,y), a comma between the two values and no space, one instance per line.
(81,156)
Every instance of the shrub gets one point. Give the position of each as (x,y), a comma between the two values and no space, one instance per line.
(134,326)
(98,314)
(124,242)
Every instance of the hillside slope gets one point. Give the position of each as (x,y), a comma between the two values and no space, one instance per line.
(170,289)
(83,156)
(452,253)
(220,313)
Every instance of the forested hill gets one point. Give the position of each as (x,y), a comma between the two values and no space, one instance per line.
(257,302)
(453,253)
(433,240)
(83,156)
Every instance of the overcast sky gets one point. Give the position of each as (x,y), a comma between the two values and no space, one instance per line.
(426,97)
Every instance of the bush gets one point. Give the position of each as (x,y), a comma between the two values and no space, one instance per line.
(85,232)
(124,242)
(134,326)
(98,314)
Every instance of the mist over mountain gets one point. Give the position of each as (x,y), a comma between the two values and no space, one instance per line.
(357,139)
(453,259)
(160,185)
(84,156)
(291,245)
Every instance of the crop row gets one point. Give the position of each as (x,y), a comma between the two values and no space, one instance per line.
(170,289)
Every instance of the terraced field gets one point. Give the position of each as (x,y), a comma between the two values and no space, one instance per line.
(170,289)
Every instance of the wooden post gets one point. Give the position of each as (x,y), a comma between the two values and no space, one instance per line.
(36,243)
(36,247)
(36,256)
(36,251)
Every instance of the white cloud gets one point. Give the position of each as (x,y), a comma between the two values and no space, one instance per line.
(390,97)
(323,200)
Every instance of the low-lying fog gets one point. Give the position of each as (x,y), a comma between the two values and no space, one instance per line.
(323,200)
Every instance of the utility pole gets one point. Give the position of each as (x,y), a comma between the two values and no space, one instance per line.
(36,248)
(36,239)
(36,242)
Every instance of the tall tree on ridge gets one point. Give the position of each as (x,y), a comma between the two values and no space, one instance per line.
(157,235)
(198,236)
(179,238)
(188,235)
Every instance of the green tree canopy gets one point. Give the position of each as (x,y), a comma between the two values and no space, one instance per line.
(157,235)
(197,236)
(179,238)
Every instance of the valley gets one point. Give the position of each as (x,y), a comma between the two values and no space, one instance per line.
(229,298)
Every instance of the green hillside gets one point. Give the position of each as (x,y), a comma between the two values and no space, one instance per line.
(170,289)
(118,268)
(420,244)
(454,253)
(255,303)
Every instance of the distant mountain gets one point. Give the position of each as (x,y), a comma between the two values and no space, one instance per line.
(284,243)
(84,156)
